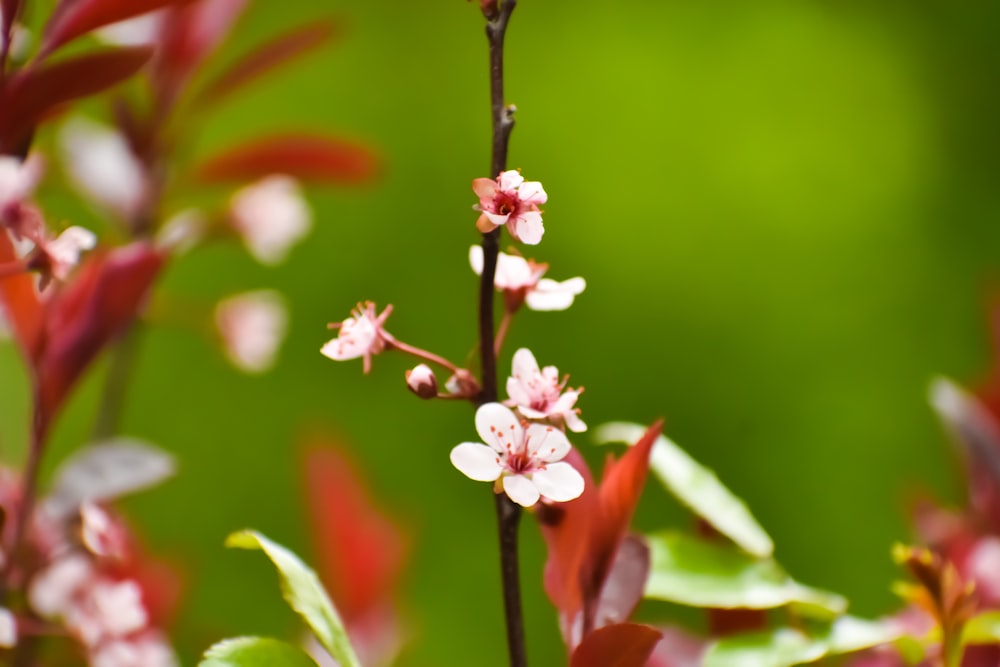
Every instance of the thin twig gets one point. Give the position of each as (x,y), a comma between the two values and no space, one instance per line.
(508,512)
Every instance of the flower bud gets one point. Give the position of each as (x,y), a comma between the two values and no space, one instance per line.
(421,381)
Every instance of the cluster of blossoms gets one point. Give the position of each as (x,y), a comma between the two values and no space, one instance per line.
(85,582)
(523,448)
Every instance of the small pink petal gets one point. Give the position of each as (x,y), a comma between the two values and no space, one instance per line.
(496,219)
(519,395)
(521,490)
(559,481)
(524,365)
(573,422)
(528,228)
(498,426)
(476,461)
(485,188)
(513,273)
(484,224)
(531,193)
(510,180)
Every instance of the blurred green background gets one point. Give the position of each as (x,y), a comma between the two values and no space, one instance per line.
(786,215)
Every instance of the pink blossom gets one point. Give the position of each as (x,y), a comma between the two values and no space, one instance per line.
(146,650)
(521,281)
(539,393)
(271,215)
(103,167)
(107,609)
(102,535)
(8,628)
(512,201)
(360,335)
(252,326)
(18,180)
(422,381)
(525,462)
(58,257)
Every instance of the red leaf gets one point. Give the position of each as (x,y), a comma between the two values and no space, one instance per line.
(87,314)
(584,535)
(622,645)
(74,18)
(32,93)
(306,157)
(21,303)
(620,489)
(191,34)
(270,55)
(361,551)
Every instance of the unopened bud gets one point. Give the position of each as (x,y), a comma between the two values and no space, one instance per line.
(421,381)
(462,383)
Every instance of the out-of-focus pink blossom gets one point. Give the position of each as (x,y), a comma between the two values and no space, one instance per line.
(539,393)
(18,181)
(53,590)
(58,257)
(422,381)
(252,326)
(146,650)
(525,462)
(141,30)
(512,201)
(8,628)
(361,335)
(101,534)
(521,281)
(271,216)
(106,609)
(103,168)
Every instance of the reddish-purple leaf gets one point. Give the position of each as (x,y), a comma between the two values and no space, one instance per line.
(73,18)
(677,648)
(21,304)
(8,14)
(620,489)
(361,552)
(308,158)
(99,302)
(269,56)
(625,584)
(584,535)
(32,93)
(622,645)
(191,34)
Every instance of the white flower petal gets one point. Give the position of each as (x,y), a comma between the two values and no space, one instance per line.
(252,326)
(528,228)
(521,490)
(355,340)
(476,461)
(559,482)
(498,426)
(497,219)
(524,365)
(510,180)
(531,192)
(573,422)
(552,295)
(476,259)
(512,272)
(547,443)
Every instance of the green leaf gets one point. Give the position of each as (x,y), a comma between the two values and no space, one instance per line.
(692,571)
(304,593)
(784,647)
(697,487)
(983,629)
(255,652)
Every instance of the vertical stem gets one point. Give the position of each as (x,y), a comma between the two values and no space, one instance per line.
(116,382)
(508,512)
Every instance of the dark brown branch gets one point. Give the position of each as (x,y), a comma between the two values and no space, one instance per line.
(508,513)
